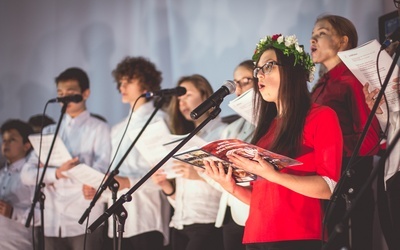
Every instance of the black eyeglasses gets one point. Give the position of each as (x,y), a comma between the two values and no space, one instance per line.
(396,3)
(266,68)
(243,82)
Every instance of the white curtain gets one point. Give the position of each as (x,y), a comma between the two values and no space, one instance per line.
(41,38)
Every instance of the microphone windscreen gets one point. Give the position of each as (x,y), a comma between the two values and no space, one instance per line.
(230,85)
(180,91)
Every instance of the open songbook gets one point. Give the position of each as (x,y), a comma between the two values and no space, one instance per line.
(362,63)
(59,155)
(220,149)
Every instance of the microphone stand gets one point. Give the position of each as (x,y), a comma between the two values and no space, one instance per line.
(113,185)
(339,227)
(349,172)
(39,195)
(116,207)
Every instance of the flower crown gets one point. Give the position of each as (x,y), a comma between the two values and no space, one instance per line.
(289,46)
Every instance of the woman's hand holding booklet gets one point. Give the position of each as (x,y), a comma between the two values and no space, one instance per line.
(218,151)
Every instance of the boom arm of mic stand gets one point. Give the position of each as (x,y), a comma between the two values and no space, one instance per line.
(110,179)
(347,172)
(38,190)
(127,197)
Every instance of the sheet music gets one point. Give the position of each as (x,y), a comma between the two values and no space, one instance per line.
(243,105)
(85,175)
(60,153)
(157,141)
(362,63)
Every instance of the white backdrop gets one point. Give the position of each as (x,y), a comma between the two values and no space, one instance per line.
(41,38)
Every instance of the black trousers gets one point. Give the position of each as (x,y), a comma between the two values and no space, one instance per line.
(232,233)
(94,241)
(153,240)
(197,237)
(287,245)
(389,208)
(358,230)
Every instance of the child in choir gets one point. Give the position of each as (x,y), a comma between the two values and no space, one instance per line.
(15,197)
(194,200)
(88,141)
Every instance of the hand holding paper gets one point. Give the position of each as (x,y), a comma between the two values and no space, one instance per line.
(362,63)
(185,170)
(370,98)
(65,167)
(85,175)
(88,192)
(221,150)
(216,171)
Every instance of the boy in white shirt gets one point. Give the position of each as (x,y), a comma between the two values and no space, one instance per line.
(88,141)
(15,197)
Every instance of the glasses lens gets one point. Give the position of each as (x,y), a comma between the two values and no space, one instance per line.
(267,67)
(244,82)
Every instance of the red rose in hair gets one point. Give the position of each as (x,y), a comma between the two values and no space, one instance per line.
(275,37)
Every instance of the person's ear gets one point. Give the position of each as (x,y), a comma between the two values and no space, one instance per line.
(86,94)
(344,42)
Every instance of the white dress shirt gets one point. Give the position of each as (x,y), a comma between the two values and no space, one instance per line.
(13,233)
(87,138)
(393,162)
(242,130)
(195,200)
(149,209)
(239,129)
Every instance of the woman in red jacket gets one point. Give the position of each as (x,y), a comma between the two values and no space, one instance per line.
(340,90)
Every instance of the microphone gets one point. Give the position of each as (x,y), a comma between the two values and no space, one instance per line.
(67,99)
(214,100)
(178,91)
(394,37)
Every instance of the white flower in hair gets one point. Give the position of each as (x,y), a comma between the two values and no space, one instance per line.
(290,40)
(298,48)
(289,46)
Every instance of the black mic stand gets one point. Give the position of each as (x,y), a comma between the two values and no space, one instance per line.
(39,195)
(116,207)
(339,227)
(349,172)
(113,185)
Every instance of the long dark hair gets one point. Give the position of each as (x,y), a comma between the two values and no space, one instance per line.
(295,101)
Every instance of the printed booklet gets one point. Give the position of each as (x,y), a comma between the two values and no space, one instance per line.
(220,149)
(59,154)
